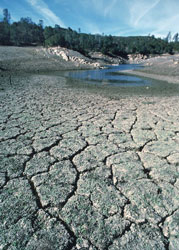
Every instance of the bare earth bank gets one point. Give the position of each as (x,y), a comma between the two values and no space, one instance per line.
(164,68)
(37,59)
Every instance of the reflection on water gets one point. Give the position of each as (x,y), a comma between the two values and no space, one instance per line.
(113,83)
(109,76)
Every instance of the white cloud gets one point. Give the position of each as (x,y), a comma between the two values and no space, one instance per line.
(101,7)
(109,7)
(43,9)
(155,16)
(117,17)
(146,11)
(139,9)
(165,25)
(98,5)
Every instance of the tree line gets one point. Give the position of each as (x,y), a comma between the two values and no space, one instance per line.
(27,33)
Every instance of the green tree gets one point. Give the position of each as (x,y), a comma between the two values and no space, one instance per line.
(175,38)
(6,16)
(5,28)
(168,37)
(48,32)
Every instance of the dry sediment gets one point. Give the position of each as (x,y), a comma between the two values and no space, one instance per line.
(83,171)
(163,68)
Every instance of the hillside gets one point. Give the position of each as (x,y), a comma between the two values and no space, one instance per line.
(38,59)
(35,59)
(27,33)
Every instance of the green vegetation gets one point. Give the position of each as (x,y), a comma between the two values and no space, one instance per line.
(27,33)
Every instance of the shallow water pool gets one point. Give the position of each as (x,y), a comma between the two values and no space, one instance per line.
(113,81)
(110,76)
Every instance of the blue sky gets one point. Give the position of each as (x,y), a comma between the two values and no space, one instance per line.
(115,17)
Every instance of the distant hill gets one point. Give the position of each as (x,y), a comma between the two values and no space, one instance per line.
(27,33)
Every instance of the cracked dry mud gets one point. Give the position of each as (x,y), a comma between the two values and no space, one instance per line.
(82,171)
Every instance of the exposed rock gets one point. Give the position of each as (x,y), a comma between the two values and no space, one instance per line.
(73,56)
(106,59)
(137,58)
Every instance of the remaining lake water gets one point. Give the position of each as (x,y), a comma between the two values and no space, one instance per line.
(110,76)
(114,81)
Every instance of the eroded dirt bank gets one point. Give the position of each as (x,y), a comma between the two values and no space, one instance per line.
(83,171)
(39,59)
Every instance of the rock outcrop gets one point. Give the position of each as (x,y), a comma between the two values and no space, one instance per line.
(137,58)
(73,56)
(106,59)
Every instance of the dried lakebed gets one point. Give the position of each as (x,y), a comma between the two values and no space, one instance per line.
(79,170)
